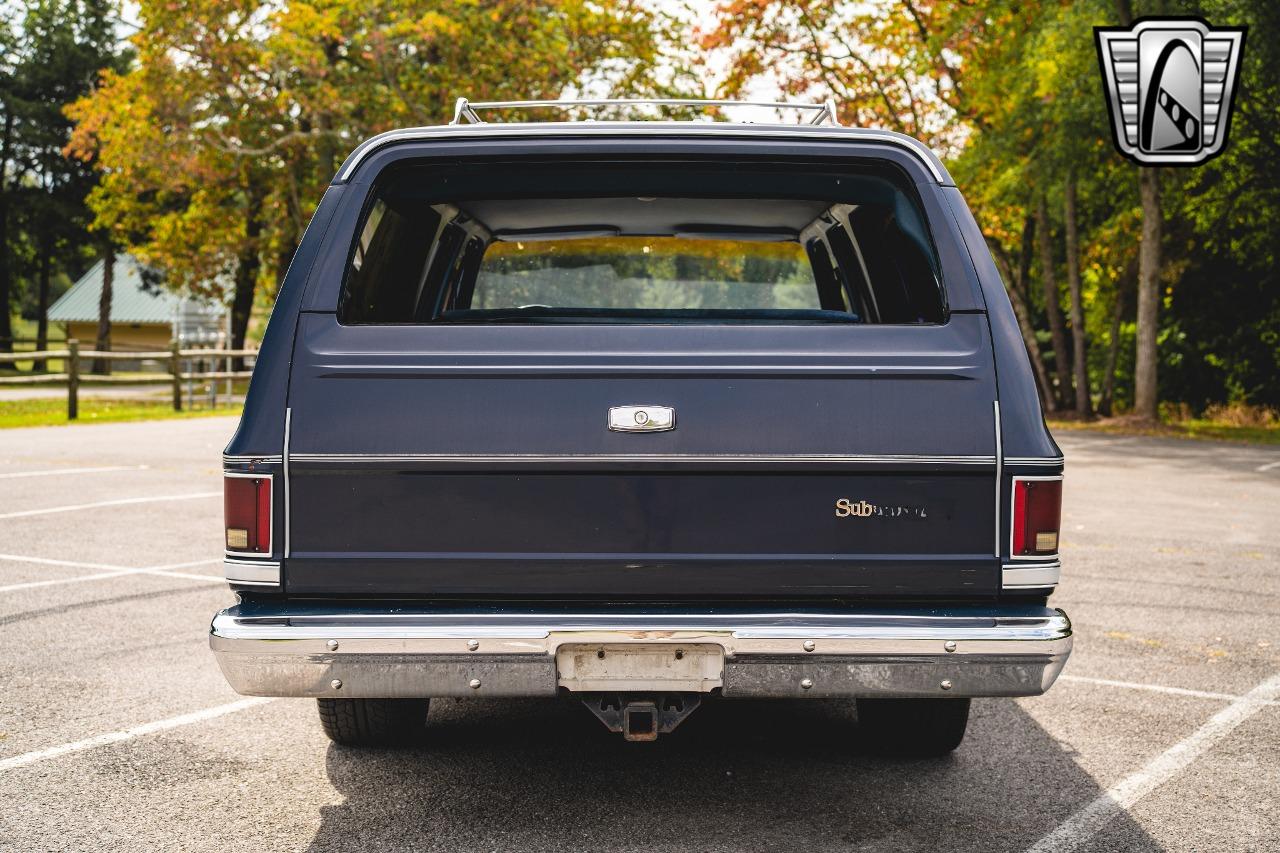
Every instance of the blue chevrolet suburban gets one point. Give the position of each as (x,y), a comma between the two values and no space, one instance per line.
(644,414)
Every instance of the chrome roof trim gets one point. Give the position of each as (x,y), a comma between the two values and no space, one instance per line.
(825,112)
(646,128)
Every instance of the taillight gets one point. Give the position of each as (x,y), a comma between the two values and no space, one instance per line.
(1037,510)
(247,512)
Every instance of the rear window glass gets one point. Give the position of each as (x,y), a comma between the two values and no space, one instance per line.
(653,273)
(436,248)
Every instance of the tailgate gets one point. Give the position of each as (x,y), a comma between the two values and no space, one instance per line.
(805,460)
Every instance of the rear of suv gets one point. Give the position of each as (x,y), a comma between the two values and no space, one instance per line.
(644,414)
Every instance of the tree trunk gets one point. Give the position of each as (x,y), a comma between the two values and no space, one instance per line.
(1145,402)
(101,366)
(6,273)
(1105,404)
(1124,9)
(288,247)
(1017,287)
(246,277)
(1033,349)
(42,295)
(1079,343)
(1052,305)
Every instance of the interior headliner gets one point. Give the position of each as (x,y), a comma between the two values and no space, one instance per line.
(630,216)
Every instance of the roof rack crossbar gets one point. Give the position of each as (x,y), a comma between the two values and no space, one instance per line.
(824,113)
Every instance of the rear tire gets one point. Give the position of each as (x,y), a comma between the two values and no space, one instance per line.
(914,728)
(373,722)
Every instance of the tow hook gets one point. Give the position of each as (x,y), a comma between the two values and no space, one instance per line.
(642,717)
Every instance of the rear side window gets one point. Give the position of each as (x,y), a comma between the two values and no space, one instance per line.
(498,245)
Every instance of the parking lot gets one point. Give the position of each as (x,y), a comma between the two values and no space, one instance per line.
(118,732)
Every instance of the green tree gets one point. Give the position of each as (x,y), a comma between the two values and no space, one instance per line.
(9,171)
(1173,272)
(218,142)
(66,44)
(53,55)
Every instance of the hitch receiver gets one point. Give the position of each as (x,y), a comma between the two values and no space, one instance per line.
(642,717)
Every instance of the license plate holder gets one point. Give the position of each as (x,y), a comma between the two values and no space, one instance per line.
(640,667)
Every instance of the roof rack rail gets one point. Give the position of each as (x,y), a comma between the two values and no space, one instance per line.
(824,113)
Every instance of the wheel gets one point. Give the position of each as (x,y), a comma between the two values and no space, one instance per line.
(917,728)
(373,722)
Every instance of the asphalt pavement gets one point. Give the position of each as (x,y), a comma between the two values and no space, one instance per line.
(117,732)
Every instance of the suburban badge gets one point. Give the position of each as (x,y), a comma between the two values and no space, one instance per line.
(846,508)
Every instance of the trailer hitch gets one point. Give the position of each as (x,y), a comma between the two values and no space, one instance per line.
(642,716)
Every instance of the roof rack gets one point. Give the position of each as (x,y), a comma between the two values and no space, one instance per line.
(824,113)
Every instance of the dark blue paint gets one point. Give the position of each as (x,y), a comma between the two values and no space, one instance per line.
(629,527)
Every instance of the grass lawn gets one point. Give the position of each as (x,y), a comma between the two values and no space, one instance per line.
(28,413)
(1193,428)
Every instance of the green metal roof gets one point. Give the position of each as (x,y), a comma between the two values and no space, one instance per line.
(130,302)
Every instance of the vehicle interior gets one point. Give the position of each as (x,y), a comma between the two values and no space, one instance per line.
(616,243)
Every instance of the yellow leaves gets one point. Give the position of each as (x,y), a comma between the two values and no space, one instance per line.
(1046,76)
(434,25)
(232,98)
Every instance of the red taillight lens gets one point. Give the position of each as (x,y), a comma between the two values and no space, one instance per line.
(247,511)
(1037,510)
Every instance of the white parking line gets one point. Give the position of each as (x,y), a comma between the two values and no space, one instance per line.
(129,734)
(184,575)
(75,564)
(55,471)
(111,571)
(1090,820)
(1155,688)
(1268,466)
(14,587)
(118,502)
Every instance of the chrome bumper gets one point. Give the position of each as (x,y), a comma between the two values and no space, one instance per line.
(293,650)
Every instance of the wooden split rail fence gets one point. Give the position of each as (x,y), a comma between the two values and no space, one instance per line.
(74,358)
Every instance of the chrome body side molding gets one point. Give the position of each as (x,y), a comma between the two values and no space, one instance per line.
(249,460)
(483,458)
(284,465)
(995,405)
(343,651)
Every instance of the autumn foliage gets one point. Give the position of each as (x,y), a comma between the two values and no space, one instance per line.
(217,144)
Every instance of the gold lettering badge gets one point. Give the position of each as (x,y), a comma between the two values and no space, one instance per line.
(846,508)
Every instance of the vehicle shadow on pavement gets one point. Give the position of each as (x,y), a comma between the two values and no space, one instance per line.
(737,775)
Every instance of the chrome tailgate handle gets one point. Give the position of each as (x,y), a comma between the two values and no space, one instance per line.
(642,418)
